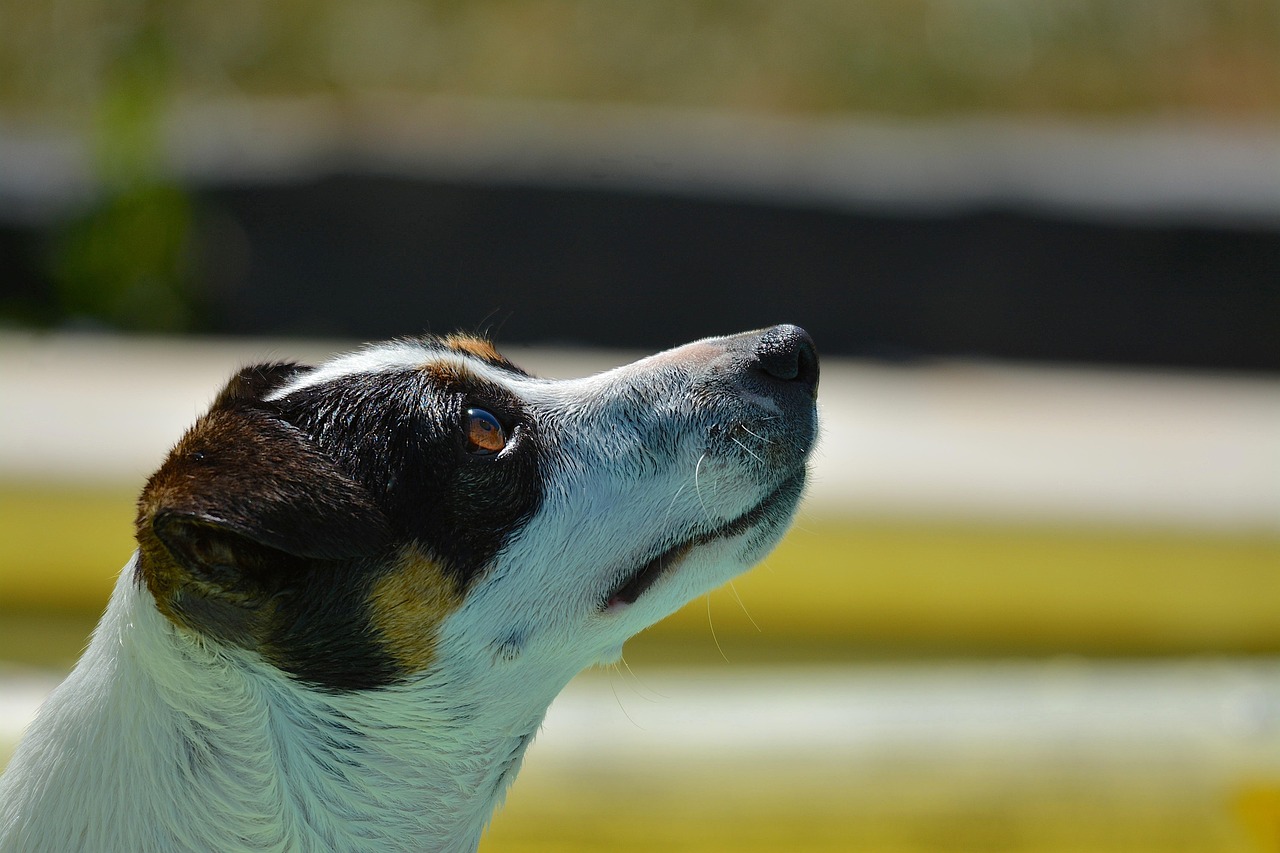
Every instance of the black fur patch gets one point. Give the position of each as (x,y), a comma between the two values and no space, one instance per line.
(402,436)
(270,523)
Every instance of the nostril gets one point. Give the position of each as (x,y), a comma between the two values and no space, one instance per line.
(787,353)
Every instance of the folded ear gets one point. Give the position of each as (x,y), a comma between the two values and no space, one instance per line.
(219,561)
(243,503)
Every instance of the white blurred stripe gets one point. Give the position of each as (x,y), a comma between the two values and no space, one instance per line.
(1145,170)
(21,693)
(1222,708)
(1223,714)
(969,440)
(1051,444)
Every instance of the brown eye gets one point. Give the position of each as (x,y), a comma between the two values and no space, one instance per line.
(485,435)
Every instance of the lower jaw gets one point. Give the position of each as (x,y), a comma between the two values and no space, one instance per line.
(787,493)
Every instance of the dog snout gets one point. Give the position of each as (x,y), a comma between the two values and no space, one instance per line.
(776,367)
(786,354)
(779,363)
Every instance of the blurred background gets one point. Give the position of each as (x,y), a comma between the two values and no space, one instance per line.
(1033,599)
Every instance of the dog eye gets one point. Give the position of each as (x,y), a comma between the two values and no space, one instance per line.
(485,435)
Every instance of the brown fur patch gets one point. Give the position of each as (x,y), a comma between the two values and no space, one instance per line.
(481,349)
(478,347)
(447,375)
(249,535)
(163,575)
(201,607)
(408,605)
(157,568)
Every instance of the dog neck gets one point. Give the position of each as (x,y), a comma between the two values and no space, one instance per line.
(159,740)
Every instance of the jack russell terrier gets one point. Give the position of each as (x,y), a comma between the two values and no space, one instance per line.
(359,586)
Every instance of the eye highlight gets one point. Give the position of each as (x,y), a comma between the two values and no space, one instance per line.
(485,435)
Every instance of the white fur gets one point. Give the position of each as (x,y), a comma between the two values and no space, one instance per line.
(161,740)
(379,358)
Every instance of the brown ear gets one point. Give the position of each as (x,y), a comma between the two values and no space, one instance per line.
(244,496)
(220,562)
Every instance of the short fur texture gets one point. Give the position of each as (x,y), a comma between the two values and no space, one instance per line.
(347,614)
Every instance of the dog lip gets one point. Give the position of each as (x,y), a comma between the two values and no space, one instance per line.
(638,582)
(647,575)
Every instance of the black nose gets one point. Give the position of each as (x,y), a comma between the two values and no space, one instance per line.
(787,353)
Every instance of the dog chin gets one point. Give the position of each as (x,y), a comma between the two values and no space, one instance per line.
(696,567)
(609,656)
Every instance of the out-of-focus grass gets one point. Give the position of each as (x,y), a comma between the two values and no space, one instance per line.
(61,549)
(834,588)
(912,806)
(982,587)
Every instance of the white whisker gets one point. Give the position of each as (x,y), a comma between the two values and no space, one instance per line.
(621,707)
(637,685)
(697,486)
(711,625)
(671,505)
(745,612)
(749,451)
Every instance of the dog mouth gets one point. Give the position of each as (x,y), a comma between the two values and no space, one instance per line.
(636,583)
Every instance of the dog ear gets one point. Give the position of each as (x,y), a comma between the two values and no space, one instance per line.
(244,500)
(221,561)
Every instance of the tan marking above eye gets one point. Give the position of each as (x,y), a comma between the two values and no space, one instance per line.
(471,345)
(485,435)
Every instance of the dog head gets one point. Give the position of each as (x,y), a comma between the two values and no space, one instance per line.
(425,504)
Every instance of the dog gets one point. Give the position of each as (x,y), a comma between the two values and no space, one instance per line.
(358,587)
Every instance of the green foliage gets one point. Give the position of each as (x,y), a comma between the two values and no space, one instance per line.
(125,261)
